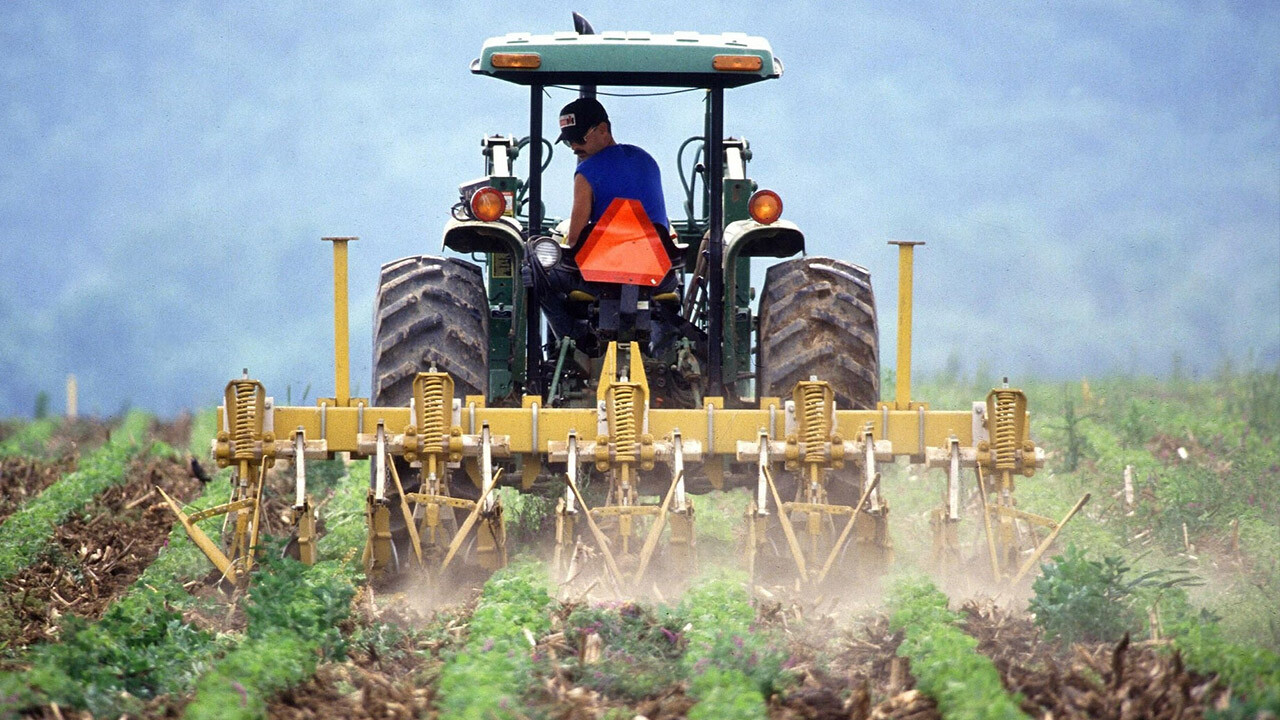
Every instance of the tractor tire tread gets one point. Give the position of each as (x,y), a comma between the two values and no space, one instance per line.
(429,311)
(818,318)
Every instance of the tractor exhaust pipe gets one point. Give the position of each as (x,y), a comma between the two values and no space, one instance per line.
(582,27)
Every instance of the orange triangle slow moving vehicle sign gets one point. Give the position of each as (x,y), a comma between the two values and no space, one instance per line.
(624,247)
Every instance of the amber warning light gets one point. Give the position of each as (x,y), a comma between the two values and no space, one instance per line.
(488,204)
(737,63)
(765,206)
(517,61)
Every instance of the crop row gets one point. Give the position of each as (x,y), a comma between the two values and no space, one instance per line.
(144,647)
(625,651)
(28,531)
(294,614)
(731,666)
(487,677)
(944,659)
(30,439)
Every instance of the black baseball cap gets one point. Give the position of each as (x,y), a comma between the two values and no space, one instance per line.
(578,117)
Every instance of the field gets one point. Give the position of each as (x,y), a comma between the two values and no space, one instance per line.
(1158,600)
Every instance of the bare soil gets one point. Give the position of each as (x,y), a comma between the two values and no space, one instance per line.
(23,478)
(95,556)
(1101,682)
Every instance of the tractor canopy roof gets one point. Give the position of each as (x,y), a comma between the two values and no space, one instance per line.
(681,59)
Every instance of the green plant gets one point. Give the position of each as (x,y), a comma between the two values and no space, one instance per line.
(1253,673)
(30,439)
(243,681)
(486,679)
(139,649)
(1082,600)
(204,426)
(1077,599)
(945,661)
(1077,443)
(732,666)
(1260,403)
(524,514)
(295,616)
(323,476)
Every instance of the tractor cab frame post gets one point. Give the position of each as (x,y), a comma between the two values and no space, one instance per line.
(715,261)
(716,320)
(533,308)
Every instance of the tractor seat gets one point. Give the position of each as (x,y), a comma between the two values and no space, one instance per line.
(580,296)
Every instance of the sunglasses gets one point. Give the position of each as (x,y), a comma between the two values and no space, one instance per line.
(583,137)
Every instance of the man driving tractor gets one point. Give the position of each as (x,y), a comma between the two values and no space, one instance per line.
(607,171)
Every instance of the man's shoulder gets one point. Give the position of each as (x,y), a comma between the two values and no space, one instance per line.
(612,156)
(635,152)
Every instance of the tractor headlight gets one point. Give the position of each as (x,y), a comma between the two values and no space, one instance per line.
(546,251)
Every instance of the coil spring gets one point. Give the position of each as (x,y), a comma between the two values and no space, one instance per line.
(1005,437)
(244,419)
(624,416)
(816,428)
(431,412)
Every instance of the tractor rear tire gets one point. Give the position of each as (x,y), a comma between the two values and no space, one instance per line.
(430,311)
(818,318)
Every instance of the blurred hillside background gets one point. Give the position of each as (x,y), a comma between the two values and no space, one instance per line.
(1098,183)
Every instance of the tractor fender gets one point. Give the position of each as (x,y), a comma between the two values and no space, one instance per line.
(748,238)
(474,236)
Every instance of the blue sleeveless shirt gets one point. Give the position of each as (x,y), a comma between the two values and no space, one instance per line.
(624,171)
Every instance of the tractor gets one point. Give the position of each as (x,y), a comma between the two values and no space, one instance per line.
(781,396)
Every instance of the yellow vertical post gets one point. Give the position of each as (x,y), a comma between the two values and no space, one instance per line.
(906,252)
(72,401)
(341,335)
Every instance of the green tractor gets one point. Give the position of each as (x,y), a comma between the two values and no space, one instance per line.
(480,323)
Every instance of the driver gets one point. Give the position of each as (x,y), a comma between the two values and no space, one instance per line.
(606,170)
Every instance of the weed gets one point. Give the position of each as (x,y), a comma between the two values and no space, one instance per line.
(638,654)
(524,514)
(1082,600)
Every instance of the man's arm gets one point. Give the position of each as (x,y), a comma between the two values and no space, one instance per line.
(581,213)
